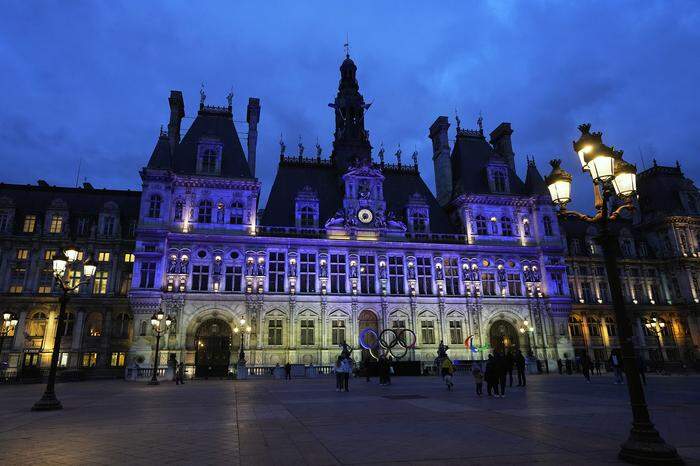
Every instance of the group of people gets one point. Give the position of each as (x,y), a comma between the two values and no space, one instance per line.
(343,368)
(498,370)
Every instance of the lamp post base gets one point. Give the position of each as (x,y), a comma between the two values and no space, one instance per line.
(47,403)
(645,446)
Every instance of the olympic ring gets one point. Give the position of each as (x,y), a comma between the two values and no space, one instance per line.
(363,339)
(395,342)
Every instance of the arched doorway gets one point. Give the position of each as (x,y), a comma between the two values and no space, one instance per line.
(503,336)
(213,340)
(368,319)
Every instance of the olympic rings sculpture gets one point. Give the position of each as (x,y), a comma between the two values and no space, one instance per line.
(394,342)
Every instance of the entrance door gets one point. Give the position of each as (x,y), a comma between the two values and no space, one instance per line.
(213,340)
(368,320)
(503,336)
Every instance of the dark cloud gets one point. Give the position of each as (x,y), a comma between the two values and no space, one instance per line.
(90,80)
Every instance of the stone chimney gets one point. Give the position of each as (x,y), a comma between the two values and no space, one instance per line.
(252,117)
(441,159)
(500,140)
(177,112)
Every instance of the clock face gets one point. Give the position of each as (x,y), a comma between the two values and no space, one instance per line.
(365,215)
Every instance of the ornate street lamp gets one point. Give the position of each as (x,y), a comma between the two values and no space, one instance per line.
(245,332)
(65,266)
(160,323)
(9,322)
(656,326)
(614,178)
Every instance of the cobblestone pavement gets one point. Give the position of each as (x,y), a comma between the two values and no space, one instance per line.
(556,420)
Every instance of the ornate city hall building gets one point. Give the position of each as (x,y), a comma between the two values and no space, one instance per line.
(345,243)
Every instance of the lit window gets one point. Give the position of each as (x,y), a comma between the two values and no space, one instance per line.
(62,359)
(117,359)
(128,257)
(93,324)
(37,325)
(56,225)
(29,223)
(103,256)
(22,254)
(89,359)
(99,285)
(49,254)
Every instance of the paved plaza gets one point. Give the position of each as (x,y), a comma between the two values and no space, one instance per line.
(556,420)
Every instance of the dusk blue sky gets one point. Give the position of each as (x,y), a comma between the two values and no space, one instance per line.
(91,79)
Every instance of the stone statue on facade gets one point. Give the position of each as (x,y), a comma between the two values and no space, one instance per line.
(283,147)
(438,273)
(382,270)
(183,267)
(293,268)
(250,268)
(337,220)
(411,273)
(172,265)
(353,269)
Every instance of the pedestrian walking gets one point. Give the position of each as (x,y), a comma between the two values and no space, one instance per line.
(616,364)
(491,376)
(478,379)
(560,366)
(338,374)
(501,371)
(586,367)
(180,374)
(288,371)
(345,370)
(520,365)
(510,362)
(447,372)
(383,369)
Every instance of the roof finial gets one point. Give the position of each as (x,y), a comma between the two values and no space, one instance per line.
(415,157)
(318,150)
(381,154)
(459,122)
(202,96)
(283,147)
(301,147)
(347,45)
(398,155)
(480,123)
(229,97)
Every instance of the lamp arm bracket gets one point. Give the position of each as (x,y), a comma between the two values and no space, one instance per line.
(619,210)
(587,218)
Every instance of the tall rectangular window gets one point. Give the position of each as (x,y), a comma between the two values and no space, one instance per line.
(586,292)
(558,279)
(488,284)
(56,224)
(83,226)
(233,278)
(338,273)
(148,275)
(307,332)
(4,221)
(22,254)
(274,332)
(368,272)
(424,271)
(17,276)
(46,279)
(108,223)
(604,295)
(451,268)
(515,287)
(275,272)
(396,275)
(337,331)
(29,224)
(200,278)
(427,332)
(125,283)
(307,272)
(456,332)
(74,277)
(99,282)
(103,256)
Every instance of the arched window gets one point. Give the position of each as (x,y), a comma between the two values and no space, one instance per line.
(68,324)
(93,324)
(120,325)
(179,210)
(499,182)
(593,327)
(37,325)
(419,222)
(547,221)
(154,206)
(237,211)
(307,217)
(506,226)
(204,212)
(575,326)
(481,228)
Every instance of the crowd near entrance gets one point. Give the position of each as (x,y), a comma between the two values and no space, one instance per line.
(213,341)
(503,337)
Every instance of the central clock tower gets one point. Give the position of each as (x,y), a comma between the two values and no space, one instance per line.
(363,202)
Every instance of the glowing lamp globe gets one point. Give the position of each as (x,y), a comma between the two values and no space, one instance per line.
(601,164)
(587,143)
(60,262)
(89,270)
(154,321)
(559,184)
(625,181)
(71,253)
(6,316)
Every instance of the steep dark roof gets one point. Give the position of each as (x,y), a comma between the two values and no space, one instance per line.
(470,157)
(534,183)
(215,123)
(661,189)
(160,158)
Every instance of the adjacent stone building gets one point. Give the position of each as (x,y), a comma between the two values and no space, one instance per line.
(345,243)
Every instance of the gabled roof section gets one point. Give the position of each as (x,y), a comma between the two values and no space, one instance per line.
(212,123)
(160,158)
(661,190)
(534,183)
(470,158)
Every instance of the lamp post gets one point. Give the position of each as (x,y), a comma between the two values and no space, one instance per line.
(614,179)
(528,329)
(9,322)
(160,323)
(244,331)
(65,267)
(657,326)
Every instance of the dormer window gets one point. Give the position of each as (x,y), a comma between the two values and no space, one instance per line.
(237,214)
(307,208)
(307,217)
(154,206)
(209,158)
(499,181)
(419,222)
(108,222)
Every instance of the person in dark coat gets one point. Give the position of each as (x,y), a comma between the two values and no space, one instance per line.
(501,371)
(288,371)
(560,366)
(586,367)
(520,365)
(510,362)
(569,365)
(491,376)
